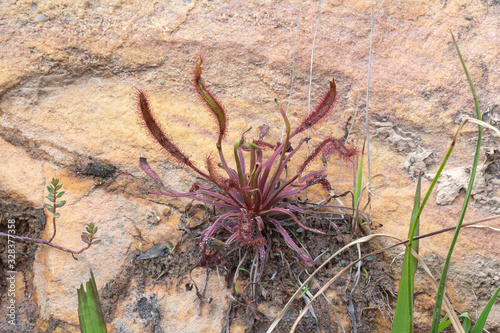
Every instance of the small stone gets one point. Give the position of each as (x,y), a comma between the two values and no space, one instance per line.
(40,18)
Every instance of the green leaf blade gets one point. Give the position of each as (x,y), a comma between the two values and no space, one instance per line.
(481,321)
(89,308)
(403,317)
(59,204)
(50,208)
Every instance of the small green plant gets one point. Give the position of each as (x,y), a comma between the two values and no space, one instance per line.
(53,189)
(244,270)
(87,237)
(170,248)
(304,290)
(253,193)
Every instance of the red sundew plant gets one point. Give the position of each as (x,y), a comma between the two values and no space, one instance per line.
(252,196)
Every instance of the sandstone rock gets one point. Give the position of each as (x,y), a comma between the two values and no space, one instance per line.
(67,101)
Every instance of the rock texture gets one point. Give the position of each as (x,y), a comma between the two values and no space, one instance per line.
(67,110)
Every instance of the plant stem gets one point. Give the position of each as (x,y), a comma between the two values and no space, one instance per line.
(41,241)
(53,215)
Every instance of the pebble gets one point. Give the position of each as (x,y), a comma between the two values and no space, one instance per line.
(40,18)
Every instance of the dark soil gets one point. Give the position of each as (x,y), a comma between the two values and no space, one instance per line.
(364,302)
(28,221)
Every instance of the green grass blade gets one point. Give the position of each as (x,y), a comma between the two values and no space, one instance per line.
(89,308)
(481,321)
(415,222)
(429,191)
(357,188)
(444,323)
(359,180)
(403,317)
(442,281)
(467,323)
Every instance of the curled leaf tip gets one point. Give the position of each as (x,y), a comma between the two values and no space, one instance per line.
(198,68)
(214,106)
(285,118)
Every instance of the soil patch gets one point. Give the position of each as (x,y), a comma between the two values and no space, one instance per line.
(27,221)
(362,297)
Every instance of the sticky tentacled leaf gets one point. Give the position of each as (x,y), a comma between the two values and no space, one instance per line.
(328,147)
(321,111)
(158,134)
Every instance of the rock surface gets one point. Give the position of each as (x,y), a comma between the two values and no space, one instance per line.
(67,110)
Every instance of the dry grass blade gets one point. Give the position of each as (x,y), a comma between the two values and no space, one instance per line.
(228,294)
(342,272)
(360,240)
(484,226)
(316,283)
(367,187)
(299,290)
(477,121)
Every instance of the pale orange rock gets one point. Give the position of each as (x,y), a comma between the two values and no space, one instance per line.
(67,99)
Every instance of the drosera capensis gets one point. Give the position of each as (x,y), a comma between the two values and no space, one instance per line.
(252,194)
